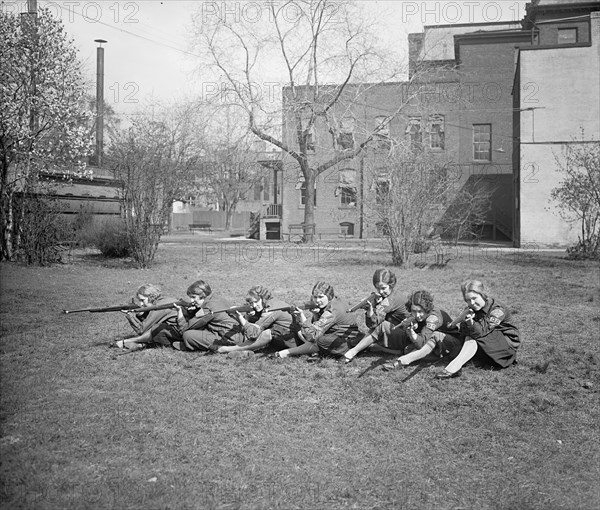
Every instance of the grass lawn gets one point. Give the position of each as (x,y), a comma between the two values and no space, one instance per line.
(162,429)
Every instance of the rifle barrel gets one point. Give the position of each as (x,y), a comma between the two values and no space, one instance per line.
(117,308)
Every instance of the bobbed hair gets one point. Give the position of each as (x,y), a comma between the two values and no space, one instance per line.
(474,286)
(323,288)
(199,288)
(384,276)
(259,292)
(421,298)
(152,292)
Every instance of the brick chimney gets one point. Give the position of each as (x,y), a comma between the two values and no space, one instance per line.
(415,43)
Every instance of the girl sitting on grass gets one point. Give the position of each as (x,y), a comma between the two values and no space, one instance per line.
(486,331)
(383,318)
(427,327)
(269,322)
(330,328)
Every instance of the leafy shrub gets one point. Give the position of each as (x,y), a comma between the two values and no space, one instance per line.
(585,250)
(42,230)
(111,239)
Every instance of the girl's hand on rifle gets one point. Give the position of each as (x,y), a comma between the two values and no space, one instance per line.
(179,310)
(469,318)
(240,318)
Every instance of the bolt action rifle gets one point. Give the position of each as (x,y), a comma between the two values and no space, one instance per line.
(460,318)
(133,307)
(371,298)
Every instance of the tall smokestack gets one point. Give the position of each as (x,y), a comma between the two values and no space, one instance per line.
(99,101)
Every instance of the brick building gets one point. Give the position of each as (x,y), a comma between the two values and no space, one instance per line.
(492,101)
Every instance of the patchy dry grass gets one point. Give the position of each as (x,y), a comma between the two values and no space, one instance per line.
(172,430)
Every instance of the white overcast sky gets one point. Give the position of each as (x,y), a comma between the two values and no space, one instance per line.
(146,54)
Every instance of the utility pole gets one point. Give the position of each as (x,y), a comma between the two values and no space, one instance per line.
(99,101)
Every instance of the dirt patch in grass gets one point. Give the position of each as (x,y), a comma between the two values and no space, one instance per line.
(166,429)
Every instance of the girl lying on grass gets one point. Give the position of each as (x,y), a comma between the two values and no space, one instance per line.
(331,327)
(269,322)
(486,331)
(196,328)
(150,295)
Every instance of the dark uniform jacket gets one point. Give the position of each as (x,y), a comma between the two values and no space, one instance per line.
(391,309)
(494,316)
(143,321)
(436,320)
(333,319)
(278,321)
(218,323)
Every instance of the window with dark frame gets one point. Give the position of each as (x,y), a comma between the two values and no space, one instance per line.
(567,35)
(414,131)
(436,132)
(382,137)
(482,142)
(348,196)
(346,135)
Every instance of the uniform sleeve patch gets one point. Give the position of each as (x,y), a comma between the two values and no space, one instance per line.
(496,316)
(433,322)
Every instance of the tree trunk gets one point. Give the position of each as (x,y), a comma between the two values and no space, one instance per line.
(309,205)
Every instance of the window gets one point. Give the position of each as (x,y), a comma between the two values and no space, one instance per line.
(436,132)
(348,197)
(413,130)
(567,35)
(346,188)
(303,194)
(382,190)
(346,136)
(347,228)
(266,185)
(482,142)
(257,190)
(382,137)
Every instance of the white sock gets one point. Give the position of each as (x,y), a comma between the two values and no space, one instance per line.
(468,350)
(407,359)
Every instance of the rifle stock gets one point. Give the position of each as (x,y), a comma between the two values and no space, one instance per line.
(290,308)
(370,298)
(234,309)
(460,318)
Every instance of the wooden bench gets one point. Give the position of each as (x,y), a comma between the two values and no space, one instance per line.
(333,232)
(203,227)
(297,232)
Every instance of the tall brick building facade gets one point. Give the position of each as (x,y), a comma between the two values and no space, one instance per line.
(474,108)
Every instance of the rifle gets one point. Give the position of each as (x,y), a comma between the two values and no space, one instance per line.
(371,298)
(460,318)
(132,307)
(291,308)
(234,309)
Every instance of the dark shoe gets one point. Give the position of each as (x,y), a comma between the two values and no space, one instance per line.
(314,357)
(447,375)
(388,366)
(179,346)
(274,355)
(344,361)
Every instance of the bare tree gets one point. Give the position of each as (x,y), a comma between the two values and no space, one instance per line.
(578,194)
(415,195)
(154,160)
(322,43)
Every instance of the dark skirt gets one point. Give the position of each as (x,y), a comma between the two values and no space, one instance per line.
(338,344)
(496,347)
